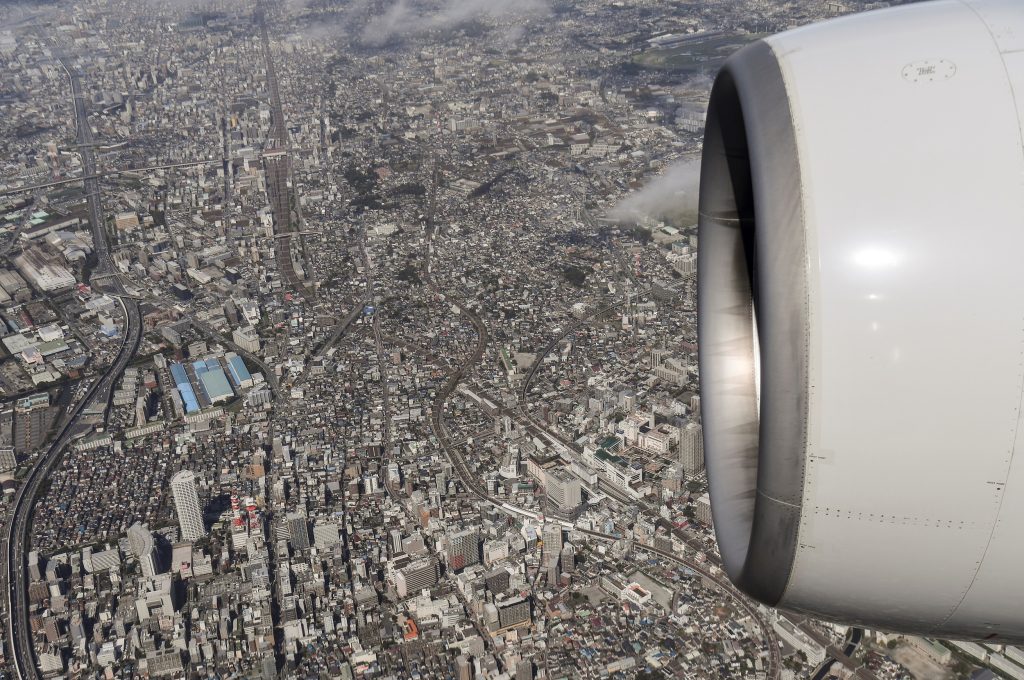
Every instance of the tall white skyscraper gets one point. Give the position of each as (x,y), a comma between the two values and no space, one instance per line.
(186,504)
(691,449)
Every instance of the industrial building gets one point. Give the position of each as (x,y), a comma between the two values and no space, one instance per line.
(240,375)
(212,381)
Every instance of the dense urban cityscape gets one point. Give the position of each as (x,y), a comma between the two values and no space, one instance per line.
(358,339)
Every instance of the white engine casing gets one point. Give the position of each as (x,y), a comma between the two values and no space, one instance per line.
(863,178)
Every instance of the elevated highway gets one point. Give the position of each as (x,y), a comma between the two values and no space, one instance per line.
(16,547)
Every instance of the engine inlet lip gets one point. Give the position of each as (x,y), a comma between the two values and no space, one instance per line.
(752,265)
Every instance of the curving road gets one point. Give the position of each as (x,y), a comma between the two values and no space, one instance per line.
(437,408)
(477,489)
(774,656)
(570,328)
(15,548)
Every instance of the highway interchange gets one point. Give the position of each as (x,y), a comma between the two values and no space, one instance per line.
(15,549)
(17,545)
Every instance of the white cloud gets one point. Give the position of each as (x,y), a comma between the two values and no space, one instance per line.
(402,19)
(674,192)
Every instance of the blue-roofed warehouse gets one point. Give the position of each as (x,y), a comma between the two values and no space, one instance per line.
(212,380)
(188,395)
(236,369)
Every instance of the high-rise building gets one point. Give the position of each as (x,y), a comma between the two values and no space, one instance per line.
(669,369)
(140,411)
(33,416)
(247,338)
(463,549)
(564,491)
(691,449)
(552,550)
(552,537)
(416,576)
(413,545)
(396,541)
(513,612)
(186,504)
(52,661)
(703,510)
(498,580)
(568,558)
(298,531)
(35,571)
(495,550)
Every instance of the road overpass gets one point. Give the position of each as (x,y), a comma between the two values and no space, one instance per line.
(15,549)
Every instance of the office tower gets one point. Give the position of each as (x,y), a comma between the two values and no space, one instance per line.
(552,537)
(52,661)
(552,550)
(507,613)
(140,411)
(394,475)
(413,545)
(703,510)
(416,576)
(35,567)
(396,541)
(464,549)
(298,531)
(33,416)
(568,558)
(495,550)
(498,580)
(564,491)
(691,449)
(186,504)
(247,338)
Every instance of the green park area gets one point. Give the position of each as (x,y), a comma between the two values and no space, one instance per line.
(696,57)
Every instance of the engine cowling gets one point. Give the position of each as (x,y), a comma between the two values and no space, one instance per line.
(861,318)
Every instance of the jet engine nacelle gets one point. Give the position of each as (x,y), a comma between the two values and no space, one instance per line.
(861,318)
